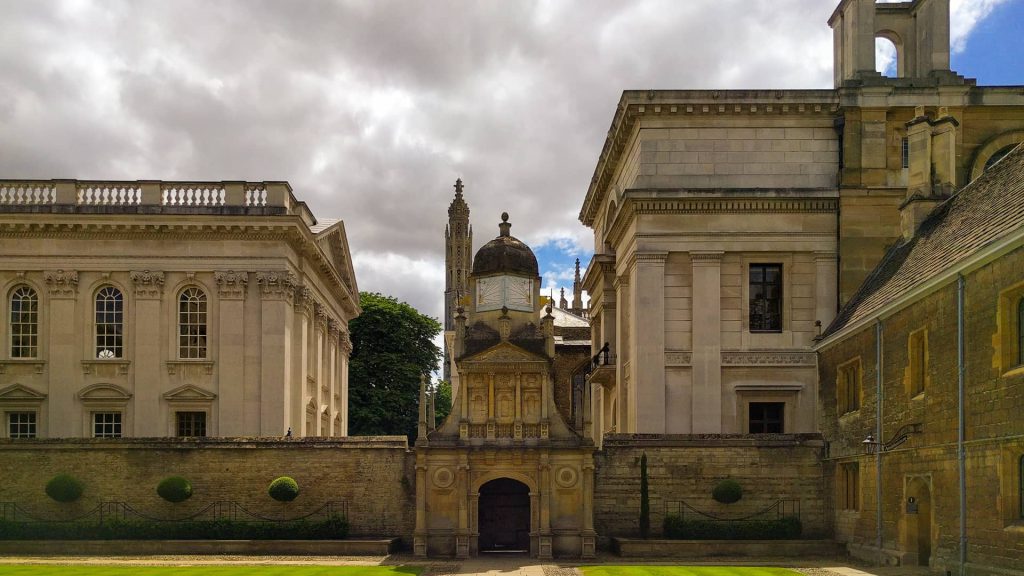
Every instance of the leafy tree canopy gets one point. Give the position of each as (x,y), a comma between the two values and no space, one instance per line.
(392,345)
(442,401)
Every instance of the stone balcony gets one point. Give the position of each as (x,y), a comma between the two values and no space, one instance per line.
(151,197)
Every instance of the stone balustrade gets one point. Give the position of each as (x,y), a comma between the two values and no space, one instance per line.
(99,194)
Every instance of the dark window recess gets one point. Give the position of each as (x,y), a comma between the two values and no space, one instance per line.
(905,152)
(767,417)
(191,424)
(766,297)
(1020,332)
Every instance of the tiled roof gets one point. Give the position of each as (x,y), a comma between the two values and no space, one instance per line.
(981,213)
(323,224)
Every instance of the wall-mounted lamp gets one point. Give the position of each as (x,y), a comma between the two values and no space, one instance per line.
(872,446)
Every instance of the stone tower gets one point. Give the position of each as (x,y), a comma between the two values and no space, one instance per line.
(458,261)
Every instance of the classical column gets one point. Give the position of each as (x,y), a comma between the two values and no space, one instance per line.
(648,365)
(346,352)
(544,539)
(589,537)
(419,540)
(63,353)
(148,323)
(707,342)
(623,347)
(277,290)
(232,287)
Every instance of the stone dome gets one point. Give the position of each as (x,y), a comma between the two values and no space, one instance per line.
(505,255)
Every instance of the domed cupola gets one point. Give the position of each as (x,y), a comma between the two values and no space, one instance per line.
(505,255)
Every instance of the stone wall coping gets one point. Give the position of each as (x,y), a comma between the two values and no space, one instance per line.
(712,440)
(349,443)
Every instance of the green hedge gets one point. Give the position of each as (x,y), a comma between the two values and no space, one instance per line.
(174,489)
(284,489)
(788,528)
(334,528)
(64,488)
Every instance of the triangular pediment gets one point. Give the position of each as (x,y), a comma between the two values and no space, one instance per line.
(504,352)
(18,392)
(189,392)
(334,244)
(104,393)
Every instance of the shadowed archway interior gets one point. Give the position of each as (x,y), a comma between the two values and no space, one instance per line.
(504,522)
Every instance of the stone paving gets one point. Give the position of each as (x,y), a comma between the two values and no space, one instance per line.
(480,566)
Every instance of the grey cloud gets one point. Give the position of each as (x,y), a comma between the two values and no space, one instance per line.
(372,109)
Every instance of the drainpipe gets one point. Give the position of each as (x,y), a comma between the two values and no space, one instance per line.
(878,435)
(961,456)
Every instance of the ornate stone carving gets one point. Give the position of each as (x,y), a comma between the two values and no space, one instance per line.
(304,300)
(277,285)
(768,358)
(321,316)
(231,285)
(148,284)
(62,283)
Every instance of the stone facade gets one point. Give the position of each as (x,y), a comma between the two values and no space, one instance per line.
(696,190)
(370,478)
(146,309)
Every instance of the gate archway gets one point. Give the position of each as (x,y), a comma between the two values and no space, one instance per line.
(503,520)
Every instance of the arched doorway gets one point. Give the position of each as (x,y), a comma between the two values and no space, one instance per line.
(919,521)
(504,516)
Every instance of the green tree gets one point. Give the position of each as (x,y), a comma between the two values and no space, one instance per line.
(392,345)
(442,401)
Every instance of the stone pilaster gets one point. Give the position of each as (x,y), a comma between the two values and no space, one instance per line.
(706,417)
(648,364)
(277,404)
(232,288)
(62,352)
(149,418)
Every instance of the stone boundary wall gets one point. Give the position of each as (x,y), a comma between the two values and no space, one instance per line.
(373,474)
(687,467)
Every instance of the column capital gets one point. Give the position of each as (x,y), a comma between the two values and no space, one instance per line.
(651,257)
(277,285)
(231,285)
(707,257)
(825,256)
(61,283)
(148,283)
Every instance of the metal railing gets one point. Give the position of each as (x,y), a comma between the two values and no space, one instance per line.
(777,510)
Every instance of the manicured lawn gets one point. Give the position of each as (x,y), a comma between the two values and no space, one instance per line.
(230,570)
(685,571)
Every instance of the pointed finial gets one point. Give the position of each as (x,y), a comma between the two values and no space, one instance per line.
(504,227)
(458,187)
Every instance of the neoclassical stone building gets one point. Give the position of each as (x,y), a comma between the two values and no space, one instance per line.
(509,469)
(730,225)
(147,309)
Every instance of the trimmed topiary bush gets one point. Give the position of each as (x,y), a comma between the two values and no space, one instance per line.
(284,489)
(727,492)
(64,488)
(174,489)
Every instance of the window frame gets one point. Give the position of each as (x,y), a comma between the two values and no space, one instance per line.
(917,363)
(193,325)
(19,328)
(848,389)
(179,414)
(116,425)
(764,285)
(849,483)
(108,335)
(9,423)
(764,420)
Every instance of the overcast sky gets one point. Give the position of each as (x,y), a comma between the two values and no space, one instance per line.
(372,109)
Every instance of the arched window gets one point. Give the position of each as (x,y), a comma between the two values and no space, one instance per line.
(109,323)
(999,155)
(24,317)
(192,323)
